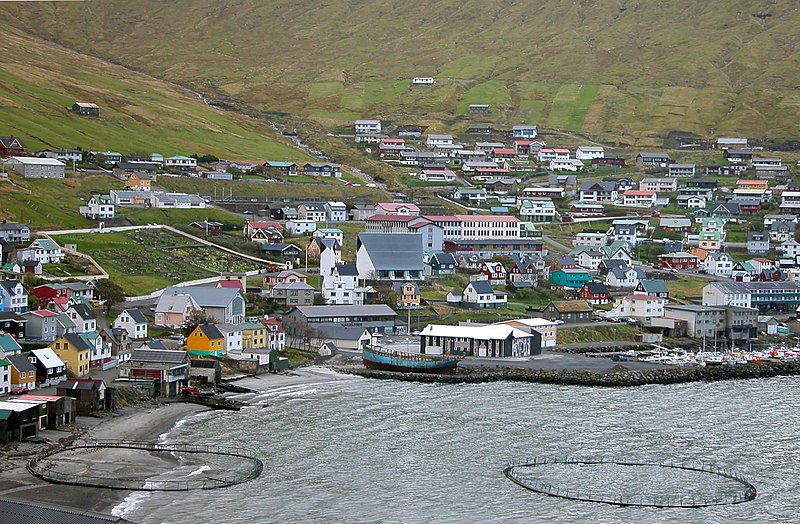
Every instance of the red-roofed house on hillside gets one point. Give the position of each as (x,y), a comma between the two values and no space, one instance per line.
(522,147)
(263,231)
(392,208)
(503,153)
(495,273)
(547,154)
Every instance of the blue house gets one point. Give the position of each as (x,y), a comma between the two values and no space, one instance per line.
(573,278)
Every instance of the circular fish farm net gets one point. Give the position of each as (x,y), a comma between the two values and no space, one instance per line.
(627,482)
(146,466)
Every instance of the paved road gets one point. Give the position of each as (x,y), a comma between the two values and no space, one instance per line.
(553,361)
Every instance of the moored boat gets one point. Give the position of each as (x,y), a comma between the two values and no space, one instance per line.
(375,358)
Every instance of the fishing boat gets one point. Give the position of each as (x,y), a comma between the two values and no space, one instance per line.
(377,358)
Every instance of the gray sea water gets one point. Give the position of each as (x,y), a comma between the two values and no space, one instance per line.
(381,451)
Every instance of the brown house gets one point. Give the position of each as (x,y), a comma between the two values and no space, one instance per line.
(568,311)
(89,394)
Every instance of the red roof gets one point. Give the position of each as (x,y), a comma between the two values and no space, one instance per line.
(263,224)
(503,151)
(44,313)
(639,192)
(523,142)
(492,170)
(231,284)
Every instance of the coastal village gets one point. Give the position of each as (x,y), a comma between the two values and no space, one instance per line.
(519,248)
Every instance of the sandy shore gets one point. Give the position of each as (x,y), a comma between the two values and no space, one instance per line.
(144,422)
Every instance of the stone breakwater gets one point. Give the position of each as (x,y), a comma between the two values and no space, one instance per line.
(617,376)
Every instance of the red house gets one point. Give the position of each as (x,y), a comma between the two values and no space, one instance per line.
(608,162)
(494,272)
(11,146)
(523,147)
(594,293)
(679,261)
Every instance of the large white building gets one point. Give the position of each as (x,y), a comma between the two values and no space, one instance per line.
(727,294)
(33,167)
(367,126)
(495,340)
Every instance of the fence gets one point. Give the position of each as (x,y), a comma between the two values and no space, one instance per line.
(512,472)
(41,466)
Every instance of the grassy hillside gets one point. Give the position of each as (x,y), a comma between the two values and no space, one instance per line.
(625,71)
(139,114)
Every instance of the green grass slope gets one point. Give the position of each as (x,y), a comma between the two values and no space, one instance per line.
(627,71)
(139,114)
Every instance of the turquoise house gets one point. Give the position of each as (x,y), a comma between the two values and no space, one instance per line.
(574,278)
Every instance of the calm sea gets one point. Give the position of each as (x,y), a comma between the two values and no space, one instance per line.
(357,450)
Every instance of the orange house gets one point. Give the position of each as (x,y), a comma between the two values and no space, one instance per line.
(137,183)
(206,339)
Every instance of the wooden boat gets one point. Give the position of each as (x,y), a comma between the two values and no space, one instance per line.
(375,358)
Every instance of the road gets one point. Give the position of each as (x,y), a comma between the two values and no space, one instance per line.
(554,361)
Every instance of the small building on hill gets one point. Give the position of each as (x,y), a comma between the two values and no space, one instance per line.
(86,109)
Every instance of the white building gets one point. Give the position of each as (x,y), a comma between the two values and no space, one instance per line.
(718,263)
(568,164)
(589,152)
(669,185)
(639,198)
(99,207)
(727,294)
(367,126)
(548,154)
(134,322)
(233,337)
(337,211)
(642,306)
(538,209)
(423,81)
(340,286)
(299,227)
(32,167)
(330,232)
(180,162)
(590,239)
(438,140)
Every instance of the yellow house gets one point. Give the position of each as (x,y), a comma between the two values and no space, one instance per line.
(206,339)
(254,335)
(74,351)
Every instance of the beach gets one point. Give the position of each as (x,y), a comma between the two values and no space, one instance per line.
(147,422)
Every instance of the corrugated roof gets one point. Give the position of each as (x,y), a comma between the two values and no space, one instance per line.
(23,512)
(163,356)
(346,310)
(393,251)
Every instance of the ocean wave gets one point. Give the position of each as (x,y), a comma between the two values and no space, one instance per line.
(130,503)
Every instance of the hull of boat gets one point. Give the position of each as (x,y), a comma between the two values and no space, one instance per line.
(408,363)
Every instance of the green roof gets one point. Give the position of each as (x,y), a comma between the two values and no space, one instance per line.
(8,344)
(180,157)
(4,363)
(5,413)
(46,243)
(250,325)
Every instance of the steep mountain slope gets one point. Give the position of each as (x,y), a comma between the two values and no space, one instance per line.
(625,70)
(139,114)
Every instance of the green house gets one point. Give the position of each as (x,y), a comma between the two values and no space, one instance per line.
(573,278)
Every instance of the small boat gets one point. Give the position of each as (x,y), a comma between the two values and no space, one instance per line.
(376,358)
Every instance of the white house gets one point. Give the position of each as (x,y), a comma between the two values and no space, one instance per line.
(340,286)
(589,238)
(42,250)
(299,227)
(589,152)
(669,185)
(98,207)
(479,294)
(565,164)
(727,294)
(438,140)
(718,263)
(548,154)
(624,277)
(423,81)
(538,209)
(14,297)
(330,232)
(134,322)
(233,337)
(642,306)
(180,162)
(367,126)
(337,211)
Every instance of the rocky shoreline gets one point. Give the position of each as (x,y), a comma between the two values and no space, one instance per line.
(616,376)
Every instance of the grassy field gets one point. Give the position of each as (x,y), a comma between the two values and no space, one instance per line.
(139,114)
(143,261)
(686,288)
(728,72)
(604,333)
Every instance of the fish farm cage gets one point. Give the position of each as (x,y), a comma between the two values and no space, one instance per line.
(733,488)
(49,466)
